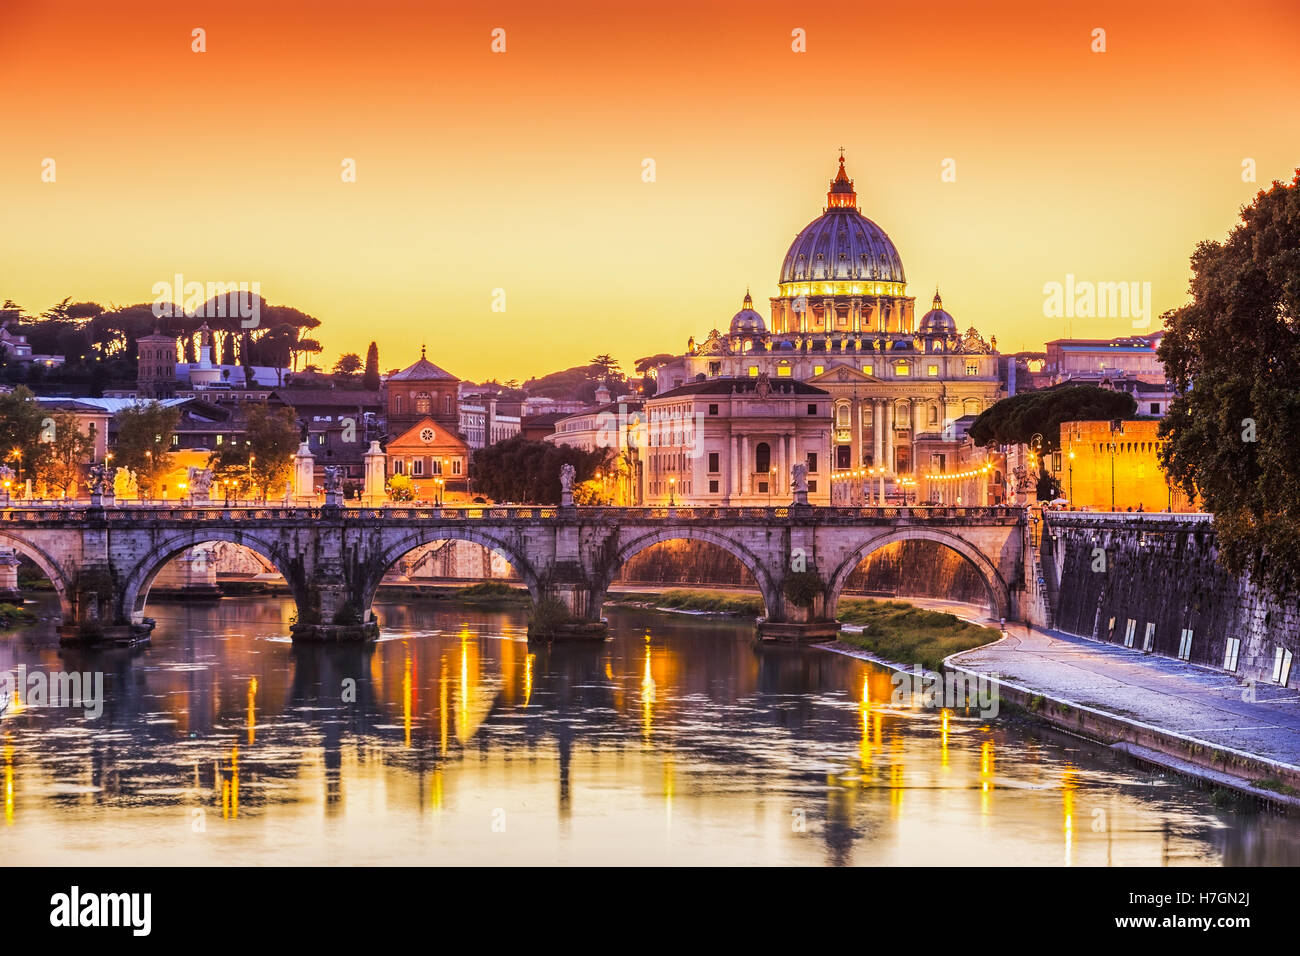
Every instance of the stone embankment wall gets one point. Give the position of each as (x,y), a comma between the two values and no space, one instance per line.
(1154,582)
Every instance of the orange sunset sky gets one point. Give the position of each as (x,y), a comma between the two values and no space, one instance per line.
(523,170)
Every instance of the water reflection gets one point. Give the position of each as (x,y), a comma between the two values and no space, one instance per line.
(678,741)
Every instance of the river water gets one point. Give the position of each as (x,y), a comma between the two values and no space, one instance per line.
(451,741)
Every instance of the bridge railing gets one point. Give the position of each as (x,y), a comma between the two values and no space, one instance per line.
(219,513)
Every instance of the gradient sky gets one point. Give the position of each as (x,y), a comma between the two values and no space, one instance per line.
(522,170)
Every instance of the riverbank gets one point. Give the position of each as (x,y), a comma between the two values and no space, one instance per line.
(1190,720)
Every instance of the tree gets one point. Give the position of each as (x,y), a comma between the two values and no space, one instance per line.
(1233,358)
(348,365)
(519,469)
(144,440)
(370,379)
(69,451)
(264,460)
(1015,420)
(401,488)
(21,421)
(228,349)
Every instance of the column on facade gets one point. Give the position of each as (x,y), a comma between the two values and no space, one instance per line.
(891,462)
(745,467)
(855,437)
(878,432)
(918,404)
(733,470)
(781,459)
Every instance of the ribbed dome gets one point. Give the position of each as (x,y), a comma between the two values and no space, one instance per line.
(747,321)
(937,321)
(842,244)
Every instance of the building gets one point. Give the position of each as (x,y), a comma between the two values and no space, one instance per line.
(1104,462)
(434,457)
(843,323)
(160,376)
(338,425)
(486,420)
(421,391)
(1095,359)
(617,425)
(15,348)
(734,441)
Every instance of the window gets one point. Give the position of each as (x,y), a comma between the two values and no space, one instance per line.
(902,369)
(1230,652)
(713,487)
(812,408)
(1185,645)
(753,372)
(1155,410)
(397,466)
(783,370)
(842,416)
(972,368)
(932,371)
(219,438)
(1110,630)
(713,409)
(812,486)
(715,369)
(1149,638)
(417,468)
(762,487)
(455,466)
(437,467)
(762,457)
(818,369)
(320,439)
(843,456)
(1129,628)
(812,462)
(397,409)
(934,415)
(1281,666)
(713,463)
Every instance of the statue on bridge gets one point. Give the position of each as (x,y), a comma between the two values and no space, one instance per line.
(97,482)
(333,480)
(200,482)
(799,482)
(567,474)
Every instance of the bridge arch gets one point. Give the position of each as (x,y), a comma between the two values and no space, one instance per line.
(135,591)
(767,587)
(994,583)
(393,552)
(48,566)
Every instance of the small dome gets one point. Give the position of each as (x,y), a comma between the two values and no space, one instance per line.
(937,321)
(747,321)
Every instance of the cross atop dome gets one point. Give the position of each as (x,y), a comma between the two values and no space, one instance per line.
(938,302)
(841,195)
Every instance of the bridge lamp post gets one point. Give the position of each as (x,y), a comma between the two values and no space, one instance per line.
(770,482)
(672,486)
(1071,468)
(182,487)
(7,492)
(1110,447)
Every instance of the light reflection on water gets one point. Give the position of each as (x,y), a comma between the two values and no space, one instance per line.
(678,741)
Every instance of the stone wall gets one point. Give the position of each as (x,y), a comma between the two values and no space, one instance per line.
(1162,570)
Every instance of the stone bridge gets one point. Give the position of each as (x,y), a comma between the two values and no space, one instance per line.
(102,559)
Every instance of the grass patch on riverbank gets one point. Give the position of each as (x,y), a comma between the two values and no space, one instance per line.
(910,635)
(490,592)
(686,599)
(11,615)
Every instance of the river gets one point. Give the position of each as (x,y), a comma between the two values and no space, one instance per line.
(450,741)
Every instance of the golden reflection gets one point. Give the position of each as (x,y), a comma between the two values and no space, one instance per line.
(252,709)
(943,739)
(668,792)
(16,702)
(437,790)
(528,677)
(896,776)
(406,697)
(1068,788)
(230,787)
(647,697)
(986,776)
(9,782)
(442,705)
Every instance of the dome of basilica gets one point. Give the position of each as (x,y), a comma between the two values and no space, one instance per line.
(937,321)
(842,246)
(747,321)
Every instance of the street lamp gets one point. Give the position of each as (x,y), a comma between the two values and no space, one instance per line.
(6,492)
(1072,503)
(1110,447)
(672,485)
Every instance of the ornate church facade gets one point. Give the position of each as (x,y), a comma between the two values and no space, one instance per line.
(902,391)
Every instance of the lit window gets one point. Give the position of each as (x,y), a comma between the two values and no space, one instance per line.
(753,372)
(932,371)
(818,369)
(972,368)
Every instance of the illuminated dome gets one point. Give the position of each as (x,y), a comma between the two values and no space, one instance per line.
(747,321)
(842,252)
(937,321)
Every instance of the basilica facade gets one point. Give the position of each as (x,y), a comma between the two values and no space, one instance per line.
(902,390)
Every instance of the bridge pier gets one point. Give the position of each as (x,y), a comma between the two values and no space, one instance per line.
(333,610)
(567,611)
(788,623)
(92,615)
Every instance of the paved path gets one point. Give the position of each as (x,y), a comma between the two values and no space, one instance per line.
(1187,699)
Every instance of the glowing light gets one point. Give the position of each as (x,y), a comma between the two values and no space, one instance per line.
(252,709)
